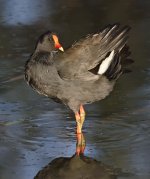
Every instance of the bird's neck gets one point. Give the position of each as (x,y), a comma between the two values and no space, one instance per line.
(45,57)
(42,47)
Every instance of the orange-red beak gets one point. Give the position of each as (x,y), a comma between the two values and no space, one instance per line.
(57,44)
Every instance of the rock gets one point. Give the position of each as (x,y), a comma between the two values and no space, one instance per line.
(76,167)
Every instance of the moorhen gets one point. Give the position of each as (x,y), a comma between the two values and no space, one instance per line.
(84,73)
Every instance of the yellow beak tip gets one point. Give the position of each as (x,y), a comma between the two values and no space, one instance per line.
(61,49)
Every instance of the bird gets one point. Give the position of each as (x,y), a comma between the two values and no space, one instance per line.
(83,73)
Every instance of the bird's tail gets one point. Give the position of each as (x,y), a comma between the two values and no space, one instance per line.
(116,63)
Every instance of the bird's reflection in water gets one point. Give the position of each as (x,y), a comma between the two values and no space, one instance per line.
(80,145)
(77,166)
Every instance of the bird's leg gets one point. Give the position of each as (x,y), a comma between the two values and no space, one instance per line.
(82,115)
(78,121)
(80,145)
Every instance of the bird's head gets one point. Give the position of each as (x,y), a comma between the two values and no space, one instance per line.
(49,42)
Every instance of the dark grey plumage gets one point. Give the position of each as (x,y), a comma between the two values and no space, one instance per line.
(72,77)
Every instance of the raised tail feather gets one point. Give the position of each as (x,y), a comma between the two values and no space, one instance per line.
(116,54)
(114,38)
(117,58)
(119,64)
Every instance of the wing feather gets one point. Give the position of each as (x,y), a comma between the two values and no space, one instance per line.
(87,53)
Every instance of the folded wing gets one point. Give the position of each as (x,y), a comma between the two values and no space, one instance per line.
(78,61)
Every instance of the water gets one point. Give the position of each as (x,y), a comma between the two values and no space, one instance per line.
(33,129)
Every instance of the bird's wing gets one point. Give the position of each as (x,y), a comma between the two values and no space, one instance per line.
(77,61)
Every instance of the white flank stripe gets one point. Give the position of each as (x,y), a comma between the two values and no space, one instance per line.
(105,64)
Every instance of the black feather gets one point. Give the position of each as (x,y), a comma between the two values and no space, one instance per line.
(119,63)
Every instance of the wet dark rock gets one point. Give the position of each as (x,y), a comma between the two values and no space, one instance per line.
(76,167)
